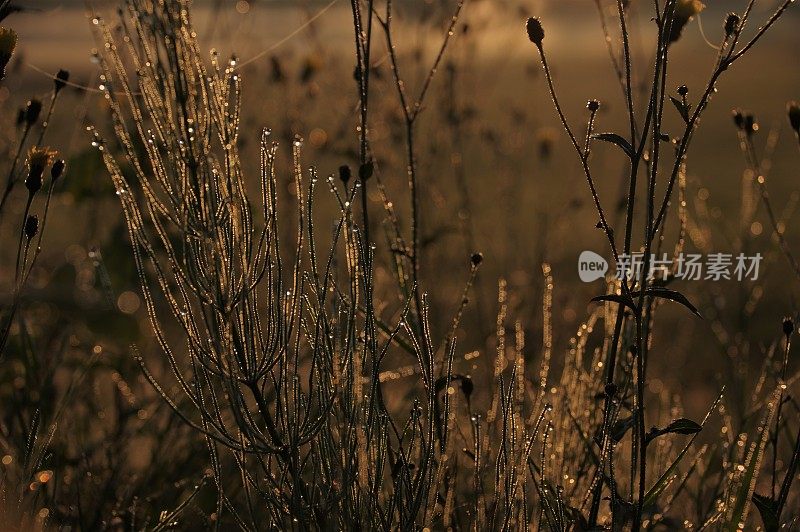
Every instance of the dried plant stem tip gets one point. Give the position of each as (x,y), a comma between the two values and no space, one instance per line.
(535,31)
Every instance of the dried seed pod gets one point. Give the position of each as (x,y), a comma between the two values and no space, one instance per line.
(738,118)
(476,259)
(344,173)
(685,10)
(38,159)
(731,24)
(683,90)
(8,42)
(467,386)
(793,109)
(57,170)
(61,79)
(535,31)
(32,111)
(365,171)
(788,326)
(750,124)
(593,105)
(31,226)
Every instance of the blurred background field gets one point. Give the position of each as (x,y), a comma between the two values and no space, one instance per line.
(528,199)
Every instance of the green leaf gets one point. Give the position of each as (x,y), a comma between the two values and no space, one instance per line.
(613,138)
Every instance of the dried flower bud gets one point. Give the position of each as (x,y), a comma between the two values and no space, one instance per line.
(467,386)
(788,326)
(344,173)
(750,124)
(31,226)
(738,119)
(611,390)
(593,105)
(685,10)
(535,31)
(33,182)
(365,171)
(476,259)
(8,42)
(38,159)
(731,24)
(32,111)
(277,73)
(794,116)
(57,169)
(61,79)
(683,90)
(546,142)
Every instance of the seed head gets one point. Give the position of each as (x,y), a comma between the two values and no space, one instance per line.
(476,259)
(731,24)
(738,118)
(344,173)
(593,105)
(750,124)
(57,170)
(32,111)
(31,226)
(8,42)
(38,159)
(467,386)
(61,79)
(788,326)
(685,10)
(535,31)
(683,90)
(793,109)
(365,171)
(745,121)
(611,390)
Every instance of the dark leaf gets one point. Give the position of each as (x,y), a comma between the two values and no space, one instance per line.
(672,295)
(682,109)
(683,426)
(621,426)
(768,508)
(678,426)
(622,299)
(613,138)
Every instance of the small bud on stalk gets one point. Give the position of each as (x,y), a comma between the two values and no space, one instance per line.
(535,31)
(31,226)
(61,80)
(344,173)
